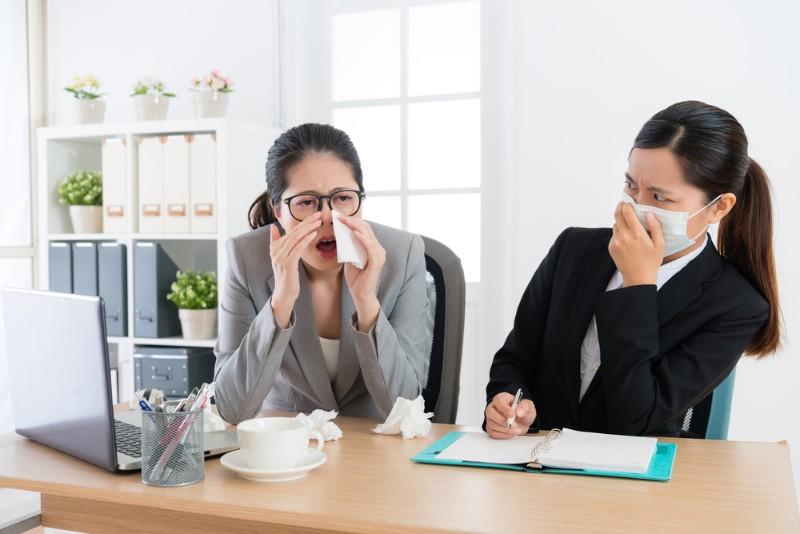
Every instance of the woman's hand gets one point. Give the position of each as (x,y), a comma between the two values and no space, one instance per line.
(499,410)
(285,252)
(363,283)
(636,254)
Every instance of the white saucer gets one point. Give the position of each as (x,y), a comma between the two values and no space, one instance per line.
(235,461)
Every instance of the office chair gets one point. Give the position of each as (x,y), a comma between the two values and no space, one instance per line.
(710,418)
(444,334)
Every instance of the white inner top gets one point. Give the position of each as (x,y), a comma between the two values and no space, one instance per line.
(330,350)
(590,348)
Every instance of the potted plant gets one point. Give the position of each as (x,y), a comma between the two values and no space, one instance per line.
(88,107)
(82,191)
(195,295)
(211,94)
(150,99)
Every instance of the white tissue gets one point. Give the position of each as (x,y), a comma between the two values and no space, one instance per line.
(321,421)
(211,421)
(348,249)
(407,417)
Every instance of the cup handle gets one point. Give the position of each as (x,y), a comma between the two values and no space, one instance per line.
(320,440)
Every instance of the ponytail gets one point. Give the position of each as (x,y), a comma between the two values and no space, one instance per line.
(260,213)
(745,239)
(712,149)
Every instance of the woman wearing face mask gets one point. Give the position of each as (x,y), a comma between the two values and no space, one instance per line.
(300,331)
(623,330)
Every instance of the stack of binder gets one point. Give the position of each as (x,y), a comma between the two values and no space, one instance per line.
(95,269)
(178,184)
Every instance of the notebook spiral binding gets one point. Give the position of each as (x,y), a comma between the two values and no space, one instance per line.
(543,447)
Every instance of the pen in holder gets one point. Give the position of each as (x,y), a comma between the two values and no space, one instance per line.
(172,447)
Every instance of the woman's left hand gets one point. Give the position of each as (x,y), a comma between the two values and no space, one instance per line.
(363,283)
(636,254)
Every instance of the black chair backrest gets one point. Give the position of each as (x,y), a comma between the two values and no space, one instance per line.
(444,331)
(436,291)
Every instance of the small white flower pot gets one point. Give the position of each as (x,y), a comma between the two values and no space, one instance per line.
(198,324)
(151,107)
(209,104)
(86,219)
(88,111)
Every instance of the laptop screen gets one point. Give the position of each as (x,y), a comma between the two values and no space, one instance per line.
(58,366)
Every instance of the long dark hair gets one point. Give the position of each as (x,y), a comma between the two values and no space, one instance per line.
(289,149)
(711,147)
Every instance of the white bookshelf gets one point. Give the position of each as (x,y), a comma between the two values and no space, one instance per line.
(241,155)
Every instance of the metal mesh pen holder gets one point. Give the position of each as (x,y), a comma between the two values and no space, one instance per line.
(172,448)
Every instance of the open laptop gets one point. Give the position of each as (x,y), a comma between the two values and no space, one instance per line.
(60,383)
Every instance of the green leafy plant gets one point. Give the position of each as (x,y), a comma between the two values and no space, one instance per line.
(84,87)
(148,86)
(194,290)
(81,188)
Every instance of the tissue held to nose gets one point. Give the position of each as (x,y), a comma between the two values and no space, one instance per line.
(348,249)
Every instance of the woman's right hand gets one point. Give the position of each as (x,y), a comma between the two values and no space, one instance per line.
(499,410)
(285,252)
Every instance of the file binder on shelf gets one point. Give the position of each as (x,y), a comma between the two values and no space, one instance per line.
(151,185)
(115,195)
(84,268)
(176,184)
(203,190)
(153,272)
(60,267)
(113,287)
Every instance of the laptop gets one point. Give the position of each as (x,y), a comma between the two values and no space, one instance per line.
(60,381)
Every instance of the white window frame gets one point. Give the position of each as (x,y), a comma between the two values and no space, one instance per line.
(35,39)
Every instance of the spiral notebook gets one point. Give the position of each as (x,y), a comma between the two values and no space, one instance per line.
(564,451)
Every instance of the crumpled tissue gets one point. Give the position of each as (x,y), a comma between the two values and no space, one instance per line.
(212,422)
(408,418)
(322,422)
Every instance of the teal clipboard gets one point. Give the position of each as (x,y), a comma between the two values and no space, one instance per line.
(660,466)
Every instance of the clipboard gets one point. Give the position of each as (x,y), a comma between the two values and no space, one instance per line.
(660,468)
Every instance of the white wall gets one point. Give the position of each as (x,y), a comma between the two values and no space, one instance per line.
(588,76)
(120,42)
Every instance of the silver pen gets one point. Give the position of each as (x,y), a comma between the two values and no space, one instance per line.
(517,397)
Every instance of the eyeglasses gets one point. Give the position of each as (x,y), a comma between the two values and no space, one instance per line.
(346,201)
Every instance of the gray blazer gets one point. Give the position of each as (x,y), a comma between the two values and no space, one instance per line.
(262,366)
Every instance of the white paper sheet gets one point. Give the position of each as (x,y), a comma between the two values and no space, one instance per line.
(479,447)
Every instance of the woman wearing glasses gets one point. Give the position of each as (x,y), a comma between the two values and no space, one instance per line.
(298,330)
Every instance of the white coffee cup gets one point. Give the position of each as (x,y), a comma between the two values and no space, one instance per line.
(273,443)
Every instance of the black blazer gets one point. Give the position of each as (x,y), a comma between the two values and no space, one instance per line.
(662,352)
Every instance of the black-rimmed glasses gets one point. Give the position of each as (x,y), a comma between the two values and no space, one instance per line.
(345,201)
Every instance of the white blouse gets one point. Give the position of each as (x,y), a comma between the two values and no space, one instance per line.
(590,348)
(330,350)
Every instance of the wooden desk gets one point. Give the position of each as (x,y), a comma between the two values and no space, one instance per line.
(369,485)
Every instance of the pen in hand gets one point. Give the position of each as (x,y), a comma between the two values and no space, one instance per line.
(517,397)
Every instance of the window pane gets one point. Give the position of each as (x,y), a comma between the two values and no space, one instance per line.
(366,55)
(455,220)
(383,210)
(375,131)
(444,144)
(14,272)
(444,49)
(15,208)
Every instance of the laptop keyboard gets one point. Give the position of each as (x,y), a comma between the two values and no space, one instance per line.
(129,439)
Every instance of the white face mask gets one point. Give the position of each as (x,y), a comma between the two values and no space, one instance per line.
(673,224)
